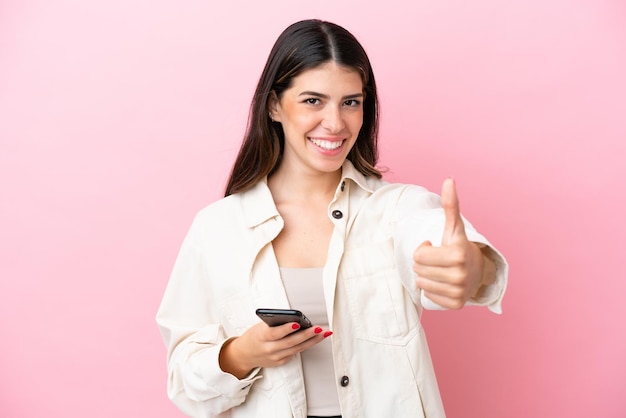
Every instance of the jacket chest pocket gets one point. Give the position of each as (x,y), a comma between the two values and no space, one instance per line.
(380,308)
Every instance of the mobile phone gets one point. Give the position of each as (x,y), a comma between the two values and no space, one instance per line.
(275,317)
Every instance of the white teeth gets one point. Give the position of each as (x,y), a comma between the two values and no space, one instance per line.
(327,145)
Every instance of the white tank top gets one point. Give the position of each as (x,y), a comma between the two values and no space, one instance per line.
(306,293)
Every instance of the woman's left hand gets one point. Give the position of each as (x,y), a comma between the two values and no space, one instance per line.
(451,274)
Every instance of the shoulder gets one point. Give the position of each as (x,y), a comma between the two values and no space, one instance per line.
(403,194)
(213,211)
(220,217)
(239,211)
(207,222)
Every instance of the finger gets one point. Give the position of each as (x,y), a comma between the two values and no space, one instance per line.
(295,337)
(454,228)
(443,274)
(441,288)
(281,331)
(445,301)
(424,247)
(449,256)
(297,342)
(319,334)
(421,254)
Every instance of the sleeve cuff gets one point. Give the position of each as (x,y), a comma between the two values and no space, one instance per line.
(205,364)
(491,295)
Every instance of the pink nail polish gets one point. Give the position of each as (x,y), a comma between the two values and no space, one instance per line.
(318,330)
(328,334)
(295,326)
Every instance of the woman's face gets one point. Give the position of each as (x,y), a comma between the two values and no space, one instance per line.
(321,115)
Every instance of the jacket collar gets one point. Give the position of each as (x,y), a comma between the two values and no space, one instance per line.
(258,205)
(349,172)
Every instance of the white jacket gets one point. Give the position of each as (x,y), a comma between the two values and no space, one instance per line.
(226,269)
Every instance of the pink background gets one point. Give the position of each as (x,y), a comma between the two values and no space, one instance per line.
(120,119)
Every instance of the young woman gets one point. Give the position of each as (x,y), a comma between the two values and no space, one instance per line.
(307,223)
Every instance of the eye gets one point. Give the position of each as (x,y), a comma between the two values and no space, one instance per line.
(352,103)
(312,101)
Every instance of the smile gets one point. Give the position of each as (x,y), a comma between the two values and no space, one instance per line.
(327,145)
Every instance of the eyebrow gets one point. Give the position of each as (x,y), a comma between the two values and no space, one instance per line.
(325,96)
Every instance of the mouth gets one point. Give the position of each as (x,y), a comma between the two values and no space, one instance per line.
(326,144)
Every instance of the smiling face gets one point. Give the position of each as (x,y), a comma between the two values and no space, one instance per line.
(321,115)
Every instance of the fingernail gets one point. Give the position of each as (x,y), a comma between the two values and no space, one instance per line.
(318,330)
(295,326)
(328,334)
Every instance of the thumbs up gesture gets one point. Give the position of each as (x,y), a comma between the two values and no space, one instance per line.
(450,274)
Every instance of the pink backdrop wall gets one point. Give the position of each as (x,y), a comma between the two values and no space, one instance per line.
(119,120)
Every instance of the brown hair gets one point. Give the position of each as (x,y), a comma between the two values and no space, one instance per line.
(302,46)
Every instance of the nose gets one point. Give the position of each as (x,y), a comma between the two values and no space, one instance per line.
(333,119)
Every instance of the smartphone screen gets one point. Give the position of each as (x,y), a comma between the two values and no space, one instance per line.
(275,317)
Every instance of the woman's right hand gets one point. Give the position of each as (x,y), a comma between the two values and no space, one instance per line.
(265,346)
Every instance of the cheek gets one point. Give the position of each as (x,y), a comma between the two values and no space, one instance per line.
(356,122)
(307,121)
(299,125)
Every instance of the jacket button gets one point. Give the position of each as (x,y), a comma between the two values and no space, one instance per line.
(337,214)
(344,381)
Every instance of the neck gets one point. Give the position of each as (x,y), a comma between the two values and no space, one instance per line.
(292,185)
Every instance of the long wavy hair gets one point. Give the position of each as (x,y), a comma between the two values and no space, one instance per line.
(303,45)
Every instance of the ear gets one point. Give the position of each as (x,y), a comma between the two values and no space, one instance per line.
(273,106)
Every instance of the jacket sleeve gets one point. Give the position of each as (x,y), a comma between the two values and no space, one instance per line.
(193,336)
(420,217)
